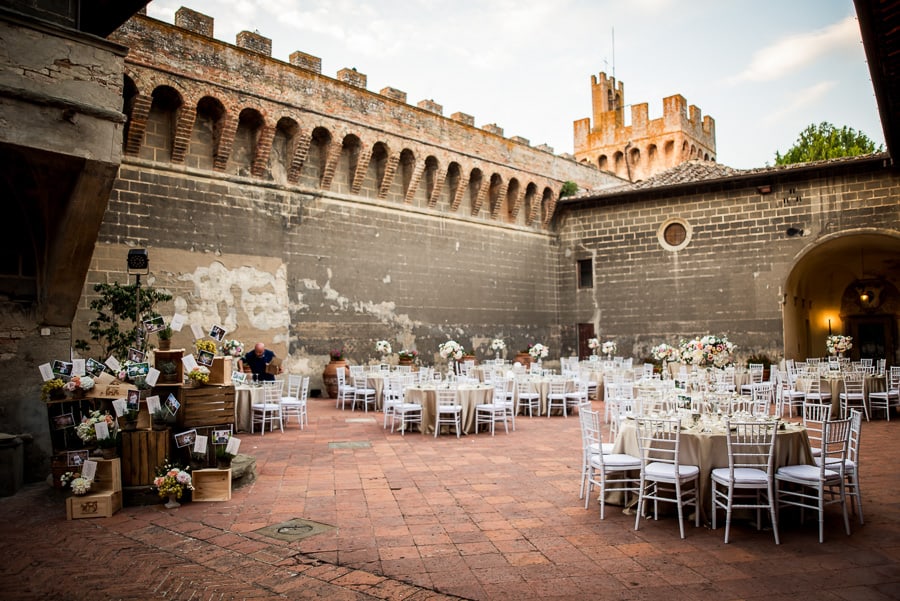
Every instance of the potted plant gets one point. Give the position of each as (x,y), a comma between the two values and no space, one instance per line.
(130,417)
(407,356)
(53,389)
(198,461)
(165,338)
(169,371)
(80,486)
(223,457)
(109,446)
(329,374)
(199,375)
(159,418)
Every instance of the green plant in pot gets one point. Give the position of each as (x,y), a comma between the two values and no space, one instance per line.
(130,417)
(165,338)
(159,419)
(109,446)
(169,371)
(223,457)
(198,461)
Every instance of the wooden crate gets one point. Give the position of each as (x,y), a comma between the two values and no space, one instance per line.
(142,452)
(206,406)
(94,505)
(175,356)
(220,371)
(211,485)
(108,477)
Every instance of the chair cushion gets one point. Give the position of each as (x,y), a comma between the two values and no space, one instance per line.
(265,406)
(742,475)
(619,460)
(667,470)
(808,473)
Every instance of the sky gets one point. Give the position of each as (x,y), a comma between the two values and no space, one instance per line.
(764,70)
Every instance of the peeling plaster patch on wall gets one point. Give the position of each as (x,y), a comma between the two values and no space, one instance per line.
(387,279)
(222,296)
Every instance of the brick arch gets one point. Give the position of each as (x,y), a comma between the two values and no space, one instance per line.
(515,196)
(379,157)
(652,156)
(619,167)
(496,195)
(433,179)
(453,182)
(245,142)
(285,138)
(477,190)
(161,119)
(401,169)
(347,166)
(548,205)
(532,202)
(603,162)
(320,143)
(210,117)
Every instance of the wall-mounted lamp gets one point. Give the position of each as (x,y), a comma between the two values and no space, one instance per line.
(794,231)
(766,189)
(865,296)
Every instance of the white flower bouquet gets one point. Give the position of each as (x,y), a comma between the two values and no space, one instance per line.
(836,343)
(497,344)
(665,352)
(608,348)
(538,351)
(233,348)
(451,350)
(707,351)
(593,343)
(383,347)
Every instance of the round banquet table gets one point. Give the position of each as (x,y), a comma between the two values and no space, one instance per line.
(709,450)
(835,385)
(468,395)
(244,397)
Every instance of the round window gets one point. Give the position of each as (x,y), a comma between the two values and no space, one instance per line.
(674,234)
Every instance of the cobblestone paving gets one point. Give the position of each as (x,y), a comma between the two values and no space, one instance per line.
(422,518)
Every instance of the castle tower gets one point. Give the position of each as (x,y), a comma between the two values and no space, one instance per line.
(645,147)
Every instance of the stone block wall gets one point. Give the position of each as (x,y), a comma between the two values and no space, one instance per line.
(734,275)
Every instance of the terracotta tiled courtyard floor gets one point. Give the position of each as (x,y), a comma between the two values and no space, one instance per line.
(421,518)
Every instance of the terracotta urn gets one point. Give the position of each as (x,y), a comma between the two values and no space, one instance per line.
(329,376)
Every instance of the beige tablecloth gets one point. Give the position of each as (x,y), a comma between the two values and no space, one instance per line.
(244,396)
(468,396)
(835,385)
(709,450)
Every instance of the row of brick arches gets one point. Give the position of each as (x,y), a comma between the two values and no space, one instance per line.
(165,126)
(644,163)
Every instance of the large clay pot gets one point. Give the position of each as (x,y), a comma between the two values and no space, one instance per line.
(523,358)
(329,377)
(165,344)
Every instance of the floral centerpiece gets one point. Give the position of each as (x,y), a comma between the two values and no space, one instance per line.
(383,347)
(171,481)
(408,355)
(206,345)
(608,348)
(336,354)
(498,345)
(665,352)
(53,388)
(86,431)
(594,344)
(199,375)
(233,348)
(707,351)
(451,350)
(836,344)
(79,384)
(80,486)
(538,351)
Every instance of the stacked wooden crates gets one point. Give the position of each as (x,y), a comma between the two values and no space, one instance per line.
(105,497)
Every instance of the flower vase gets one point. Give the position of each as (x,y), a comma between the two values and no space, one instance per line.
(329,376)
(109,452)
(130,425)
(496,355)
(172,503)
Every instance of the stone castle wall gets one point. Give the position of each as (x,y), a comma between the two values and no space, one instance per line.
(733,277)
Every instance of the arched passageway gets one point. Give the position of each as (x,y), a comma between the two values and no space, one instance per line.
(847,284)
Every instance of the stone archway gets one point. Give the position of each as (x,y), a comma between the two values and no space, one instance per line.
(826,291)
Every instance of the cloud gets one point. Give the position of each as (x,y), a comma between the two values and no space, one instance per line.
(791,53)
(800,100)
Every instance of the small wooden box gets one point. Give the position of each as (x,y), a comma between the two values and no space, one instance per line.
(94,505)
(108,477)
(211,485)
(220,371)
(175,356)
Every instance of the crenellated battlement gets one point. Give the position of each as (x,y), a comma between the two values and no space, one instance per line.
(645,146)
(196,101)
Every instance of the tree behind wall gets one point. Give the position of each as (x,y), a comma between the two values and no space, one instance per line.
(825,141)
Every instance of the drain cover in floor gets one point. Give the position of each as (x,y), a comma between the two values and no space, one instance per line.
(350,444)
(295,529)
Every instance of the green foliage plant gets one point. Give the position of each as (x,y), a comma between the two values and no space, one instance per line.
(825,141)
(114,328)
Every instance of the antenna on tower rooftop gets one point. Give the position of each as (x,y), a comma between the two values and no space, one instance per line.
(614,52)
